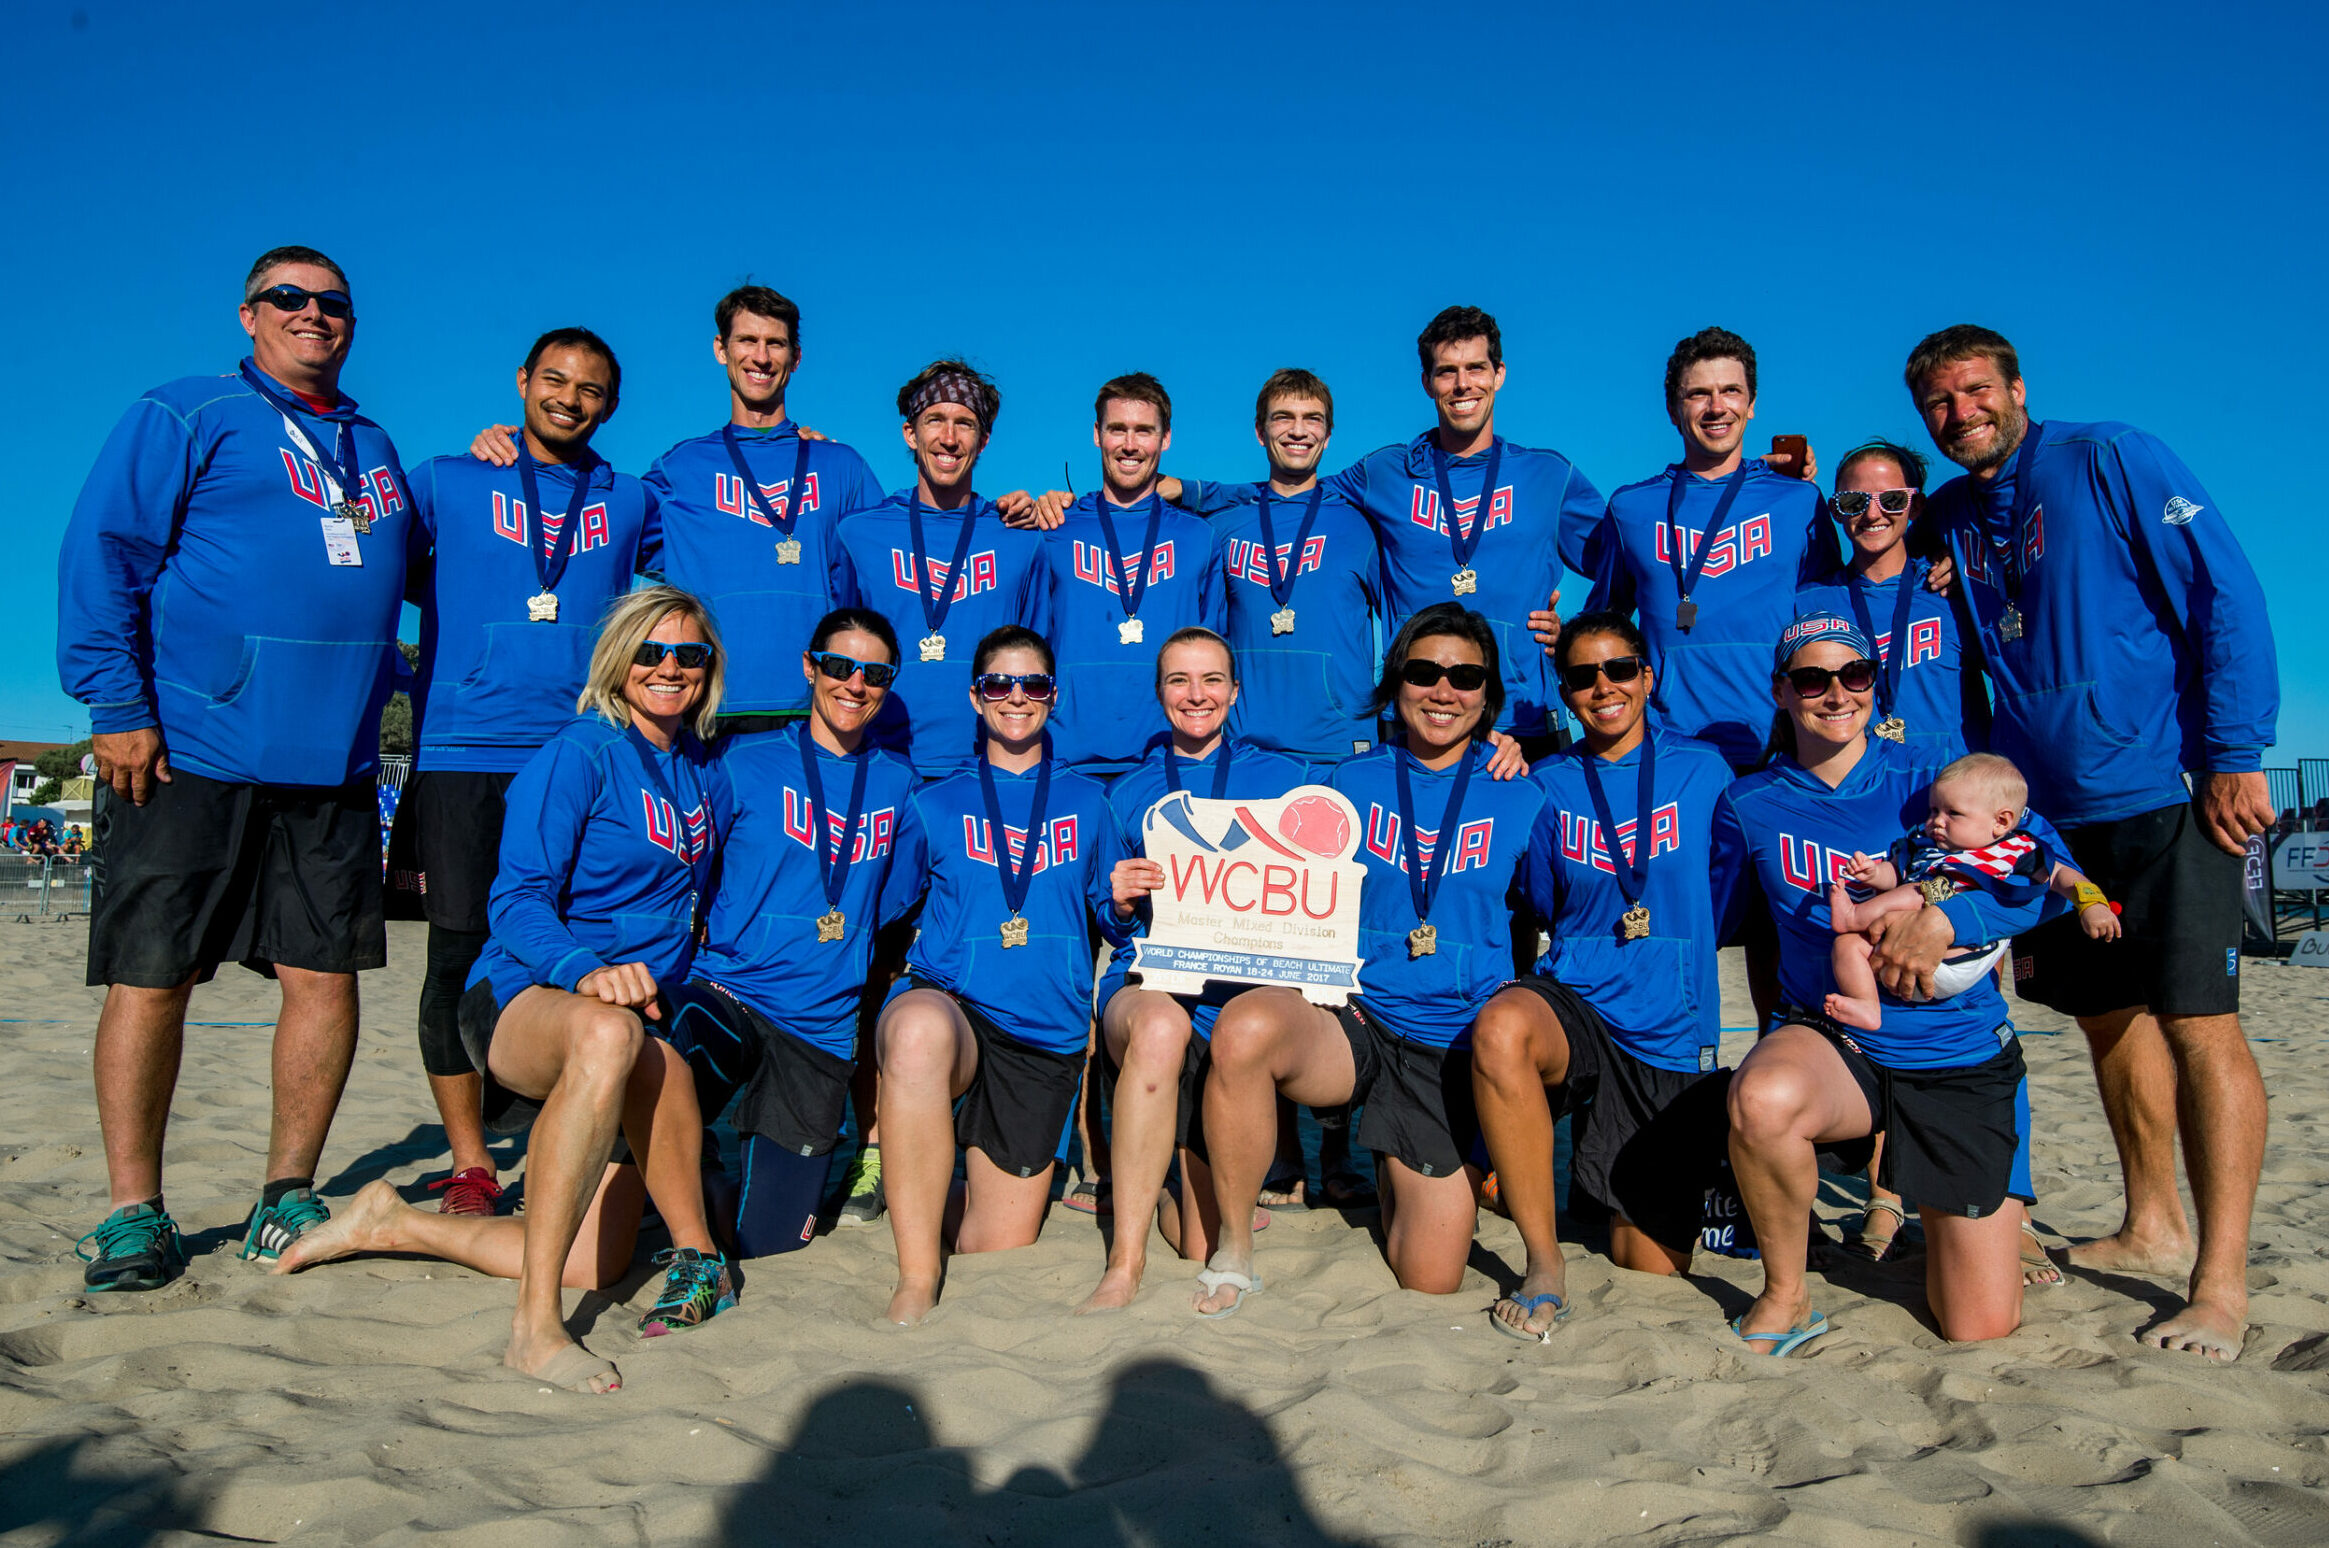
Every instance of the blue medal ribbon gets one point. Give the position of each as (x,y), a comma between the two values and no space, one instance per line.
(1423,887)
(1281,578)
(549,567)
(1891,658)
(1016,881)
(1129,590)
(1173,762)
(342,465)
(794,492)
(1460,543)
(651,765)
(1633,874)
(934,608)
(833,871)
(1686,579)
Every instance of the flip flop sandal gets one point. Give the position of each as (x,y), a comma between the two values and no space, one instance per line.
(1879,1249)
(2039,1270)
(573,1368)
(1278,1193)
(1784,1344)
(1213,1281)
(1089,1197)
(1528,1305)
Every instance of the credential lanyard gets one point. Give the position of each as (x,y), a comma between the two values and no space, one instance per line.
(1633,873)
(1129,589)
(342,470)
(833,871)
(1461,543)
(1895,655)
(1686,579)
(1281,577)
(1422,888)
(548,567)
(934,608)
(1017,880)
(794,491)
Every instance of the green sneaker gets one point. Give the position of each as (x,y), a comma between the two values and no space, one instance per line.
(137,1249)
(276,1226)
(696,1289)
(862,1200)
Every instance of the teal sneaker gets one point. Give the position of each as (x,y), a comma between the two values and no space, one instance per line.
(276,1226)
(137,1249)
(696,1288)
(863,1200)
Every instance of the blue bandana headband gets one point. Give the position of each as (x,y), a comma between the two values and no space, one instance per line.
(1810,629)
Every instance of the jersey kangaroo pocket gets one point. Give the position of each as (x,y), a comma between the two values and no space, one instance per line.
(524,687)
(299,712)
(2061,727)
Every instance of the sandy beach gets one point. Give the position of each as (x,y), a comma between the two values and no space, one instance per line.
(365,1400)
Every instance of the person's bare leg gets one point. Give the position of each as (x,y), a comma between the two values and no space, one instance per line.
(927,1056)
(1855,1002)
(1000,1210)
(1287,1165)
(1427,1225)
(1147,1035)
(378,1219)
(141,1035)
(1520,1053)
(1973,1273)
(666,1131)
(1630,1247)
(2221,1113)
(1092,1141)
(2137,1077)
(1190,1222)
(315,1043)
(1792,1092)
(460,1108)
(1265,1043)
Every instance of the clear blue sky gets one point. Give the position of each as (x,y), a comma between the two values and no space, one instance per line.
(1205,192)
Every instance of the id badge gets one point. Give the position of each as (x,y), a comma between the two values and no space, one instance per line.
(339,542)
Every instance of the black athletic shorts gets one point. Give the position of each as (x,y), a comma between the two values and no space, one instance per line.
(208,872)
(449,822)
(1018,1103)
(1415,1101)
(1196,1064)
(1950,1135)
(798,1094)
(1649,1141)
(2178,952)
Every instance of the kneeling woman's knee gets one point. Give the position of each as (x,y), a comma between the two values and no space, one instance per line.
(1249,1024)
(915,1039)
(1765,1104)
(1500,1039)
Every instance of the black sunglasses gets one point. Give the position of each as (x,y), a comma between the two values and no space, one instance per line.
(840,668)
(1463,677)
(693,655)
(290,298)
(1577,678)
(1854,502)
(997,686)
(1810,681)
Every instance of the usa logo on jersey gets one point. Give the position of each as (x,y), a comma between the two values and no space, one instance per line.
(875,836)
(1473,841)
(1423,510)
(509,522)
(1584,843)
(1058,846)
(376,495)
(686,835)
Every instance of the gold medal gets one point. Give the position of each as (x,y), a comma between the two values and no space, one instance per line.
(354,513)
(1128,632)
(1892,728)
(543,608)
(1466,581)
(933,647)
(789,551)
(1635,922)
(1282,621)
(2009,623)
(829,925)
(1014,931)
(1423,941)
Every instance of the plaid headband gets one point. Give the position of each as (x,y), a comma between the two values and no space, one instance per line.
(956,387)
(1810,629)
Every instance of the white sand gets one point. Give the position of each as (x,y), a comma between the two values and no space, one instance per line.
(366,1399)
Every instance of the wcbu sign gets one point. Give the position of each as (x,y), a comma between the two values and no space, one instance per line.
(1255,892)
(2312,949)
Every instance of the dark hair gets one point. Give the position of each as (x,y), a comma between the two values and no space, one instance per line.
(1194,634)
(1135,387)
(1704,345)
(1292,383)
(990,397)
(1599,621)
(1455,324)
(1456,621)
(760,301)
(1910,463)
(1011,637)
(865,619)
(276,257)
(1964,341)
(580,338)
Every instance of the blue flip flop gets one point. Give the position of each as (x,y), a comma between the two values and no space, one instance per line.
(1528,1305)
(1786,1343)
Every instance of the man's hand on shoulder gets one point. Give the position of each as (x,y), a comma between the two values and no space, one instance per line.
(496,444)
(1043,513)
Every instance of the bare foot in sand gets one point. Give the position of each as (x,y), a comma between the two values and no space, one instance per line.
(366,1223)
(561,1362)
(1552,1280)
(2125,1253)
(2202,1328)
(1116,1290)
(912,1302)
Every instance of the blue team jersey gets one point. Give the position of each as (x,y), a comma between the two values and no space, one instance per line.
(1714,679)
(2144,651)
(928,715)
(1432,999)
(720,544)
(1940,696)
(494,684)
(603,856)
(1782,836)
(1237,771)
(196,591)
(761,940)
(1107,707)
(1307,693)
(1041,993)
(1658,994)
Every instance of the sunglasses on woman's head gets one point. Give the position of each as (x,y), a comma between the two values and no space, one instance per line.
(1854,502)
(693,654)
(1463,677)
(997,686)
(1579,676)
(840,668)
(1810,681)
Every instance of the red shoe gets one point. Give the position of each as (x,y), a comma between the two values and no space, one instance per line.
(471,1191)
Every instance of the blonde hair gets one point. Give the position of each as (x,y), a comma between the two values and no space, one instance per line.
(1990,773)
(629,620)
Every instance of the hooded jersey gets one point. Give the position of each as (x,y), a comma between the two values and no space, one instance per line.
(1039,993)
(2144,649)
(1237,771)
(928,714)
(1781,836)
(1308,693)
(1714,679)
(196,591)
(719,544)
(1940,697)
(603,857)
(761,942)
(493,683)
(1107,707)
(1432,999)
(1659,994)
